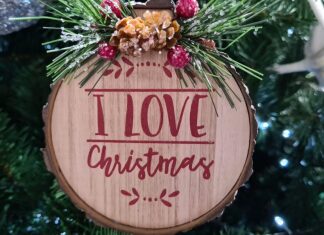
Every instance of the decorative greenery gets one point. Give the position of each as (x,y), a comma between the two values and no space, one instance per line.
(215,21)
(85,23)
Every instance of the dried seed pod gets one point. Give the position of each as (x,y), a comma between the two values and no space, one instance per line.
(156,30)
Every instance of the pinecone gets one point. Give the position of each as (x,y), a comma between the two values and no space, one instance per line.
(155,31)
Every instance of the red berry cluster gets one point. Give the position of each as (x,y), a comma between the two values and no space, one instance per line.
(178,57)
(106,51)
(114,5)
(187,8)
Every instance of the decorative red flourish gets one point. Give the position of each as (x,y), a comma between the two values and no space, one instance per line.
(108,72)
(118,72)
(128,62)
(119,68)
(166,70)
(163,195)
(129,194)
(129,72)
(131,69)
(171,195)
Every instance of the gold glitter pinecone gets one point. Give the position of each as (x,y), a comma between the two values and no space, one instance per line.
(156,30)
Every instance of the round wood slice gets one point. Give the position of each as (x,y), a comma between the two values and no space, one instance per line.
(191,164)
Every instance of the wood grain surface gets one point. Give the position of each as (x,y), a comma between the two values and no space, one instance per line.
(142,154)
(169,200)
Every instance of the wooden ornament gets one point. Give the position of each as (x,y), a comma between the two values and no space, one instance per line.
(139,153)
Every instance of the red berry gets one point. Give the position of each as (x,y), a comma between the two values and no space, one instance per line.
(178,57)
(187,8)
(114,6)
(106,51)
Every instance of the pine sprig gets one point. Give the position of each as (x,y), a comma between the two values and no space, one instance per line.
(212,67)
(85,23)
(220,20)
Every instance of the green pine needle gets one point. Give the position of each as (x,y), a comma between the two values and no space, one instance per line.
(85,23)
